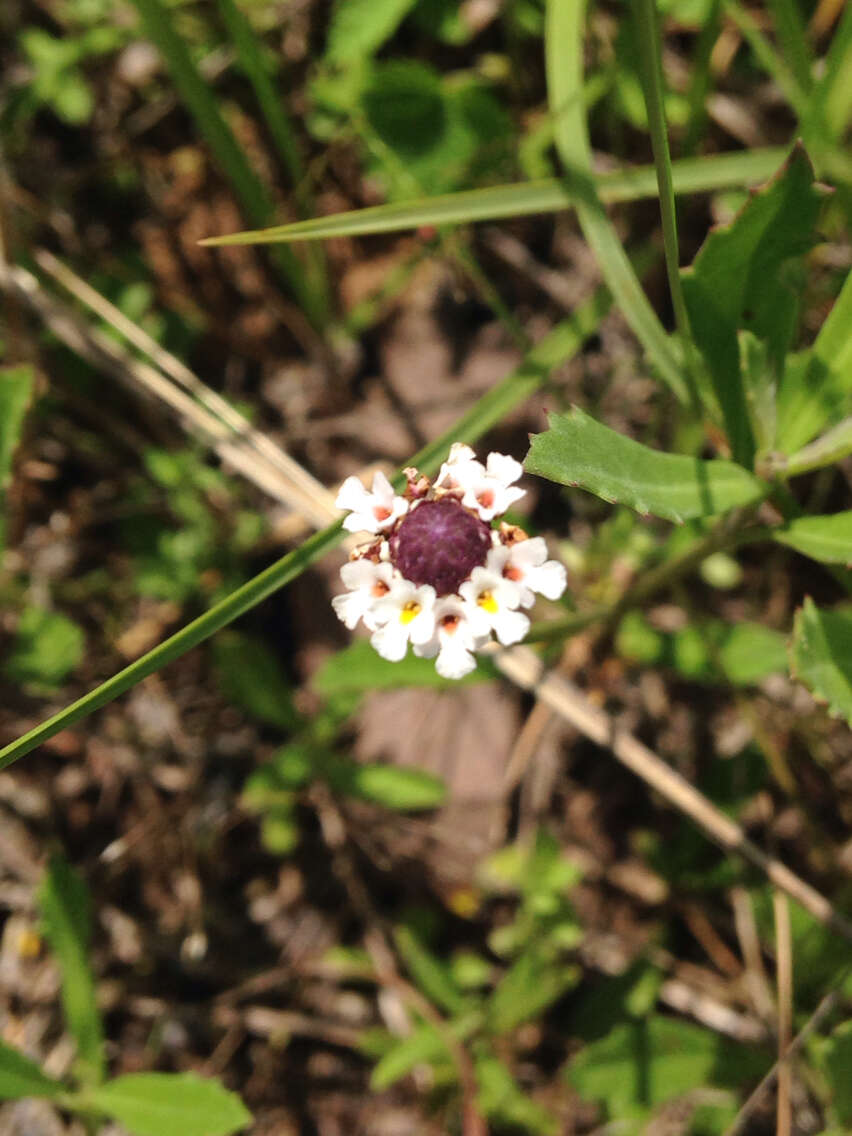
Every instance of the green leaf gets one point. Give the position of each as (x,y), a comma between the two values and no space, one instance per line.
(48,646)
(565,24)
(494,202)
(745,277)
(171,1104)
(16,392)
(360,27)
(394,786)
(576,450)
(822,655)
(20,1077)
(424,1046)
(430,973)
(501,1099)
(252,677)
(644,1064)
(837,1060)
(827,539)
(204,106)
(64,902)
(528,988)
(432,131)
(359,667)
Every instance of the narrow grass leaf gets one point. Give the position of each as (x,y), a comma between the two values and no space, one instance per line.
(171,1104)
(64,902)
(564,66)
(835,444)
(578,451)
(550,195)
(202,104)
(822,655)
(16,391)
(431,975)
(833,93)
(424,1046)
(745,277)
(502,1100)
(554,349)
(827,539)
(20,1077)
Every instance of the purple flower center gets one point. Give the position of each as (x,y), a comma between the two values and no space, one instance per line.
(440,543)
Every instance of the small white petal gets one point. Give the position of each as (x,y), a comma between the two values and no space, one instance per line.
(550,579)
(391,641)
(510,626)
(352,495)
(503,468)
(350,607)
(454,660)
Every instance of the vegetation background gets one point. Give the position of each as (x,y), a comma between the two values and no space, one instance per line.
(362,899)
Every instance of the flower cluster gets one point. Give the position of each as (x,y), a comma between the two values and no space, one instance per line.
(436,573)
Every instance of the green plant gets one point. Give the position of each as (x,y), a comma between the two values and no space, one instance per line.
(145,1104)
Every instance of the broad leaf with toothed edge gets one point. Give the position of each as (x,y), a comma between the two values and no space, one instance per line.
(576,450)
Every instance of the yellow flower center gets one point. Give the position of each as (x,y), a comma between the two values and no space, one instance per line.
(487,602)
(411,610)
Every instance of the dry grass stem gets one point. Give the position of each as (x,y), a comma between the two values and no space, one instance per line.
(784,978)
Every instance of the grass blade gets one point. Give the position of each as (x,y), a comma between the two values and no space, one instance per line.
(649,50)
(559,345)
(195,92)
(549,195)
(564,59)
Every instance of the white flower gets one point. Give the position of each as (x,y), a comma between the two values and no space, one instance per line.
(488,489)
(459,468)
(367,583)
(406,613)
(526,565)
(460,628)
(498,598)
(370,511)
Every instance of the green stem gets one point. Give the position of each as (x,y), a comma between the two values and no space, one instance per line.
(649,49)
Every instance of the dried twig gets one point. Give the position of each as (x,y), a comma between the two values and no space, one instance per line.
(784,979)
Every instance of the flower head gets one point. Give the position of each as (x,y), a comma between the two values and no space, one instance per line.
(437,574)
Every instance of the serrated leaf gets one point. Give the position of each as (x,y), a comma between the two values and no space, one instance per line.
(64,902)
(360,27)
(827,539)
(393,786)
(171,1104)
(20,1077)
(822,655)
(359,667)
(743,277)
(577,450)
